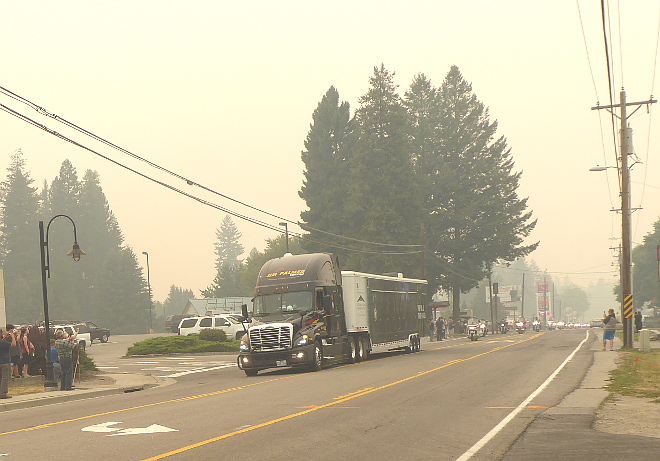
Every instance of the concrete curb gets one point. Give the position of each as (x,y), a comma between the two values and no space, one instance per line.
(124,383)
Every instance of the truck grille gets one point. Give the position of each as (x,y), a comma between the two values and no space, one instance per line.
(270,338)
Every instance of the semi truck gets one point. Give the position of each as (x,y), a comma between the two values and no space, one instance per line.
(307,313)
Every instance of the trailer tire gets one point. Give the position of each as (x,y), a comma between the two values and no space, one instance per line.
(418,344)
(352,350)
(317,363)
(360,354)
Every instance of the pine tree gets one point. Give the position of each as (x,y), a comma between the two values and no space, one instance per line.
(475,217)
(383,203)
(227,248)
(327,157)
(19,243)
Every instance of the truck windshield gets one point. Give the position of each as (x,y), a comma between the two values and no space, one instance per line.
(283,303)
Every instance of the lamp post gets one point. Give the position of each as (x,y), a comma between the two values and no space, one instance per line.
(151,325)
(75,253)
(286,234)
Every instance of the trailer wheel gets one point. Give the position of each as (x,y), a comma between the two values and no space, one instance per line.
(317,364)
(418,344)
(361,350)
(352,350)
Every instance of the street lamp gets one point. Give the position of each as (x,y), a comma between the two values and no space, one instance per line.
(286,234)
(151,324)
(75,253)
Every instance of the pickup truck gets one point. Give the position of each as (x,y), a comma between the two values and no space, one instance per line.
(86,327)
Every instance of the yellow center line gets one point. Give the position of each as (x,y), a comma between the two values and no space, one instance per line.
(182,399)
(340,400)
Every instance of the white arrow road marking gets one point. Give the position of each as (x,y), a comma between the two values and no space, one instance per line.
(103,427)
(144,430)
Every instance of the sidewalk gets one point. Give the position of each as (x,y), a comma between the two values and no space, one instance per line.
(566,430)
(118,383)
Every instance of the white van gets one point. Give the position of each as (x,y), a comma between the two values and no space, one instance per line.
(231,325)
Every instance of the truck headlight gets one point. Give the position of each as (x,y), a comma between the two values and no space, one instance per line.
(302,341)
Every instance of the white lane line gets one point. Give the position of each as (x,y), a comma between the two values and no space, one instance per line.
(106,367)
(201,370)
(494,431)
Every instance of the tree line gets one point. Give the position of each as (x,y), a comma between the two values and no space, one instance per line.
(106,285)
(418,184)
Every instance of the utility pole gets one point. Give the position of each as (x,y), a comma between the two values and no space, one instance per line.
(522,303)
(626,235)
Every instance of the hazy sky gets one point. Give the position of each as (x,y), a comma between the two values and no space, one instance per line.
(223,93)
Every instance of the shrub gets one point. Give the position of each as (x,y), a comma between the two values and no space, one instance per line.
(180,345)
(86,362)
(209,334)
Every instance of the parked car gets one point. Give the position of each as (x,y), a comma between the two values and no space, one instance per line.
(231,325)
(596,323)
(172,322)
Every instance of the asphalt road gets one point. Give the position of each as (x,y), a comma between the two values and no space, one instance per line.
(436,404)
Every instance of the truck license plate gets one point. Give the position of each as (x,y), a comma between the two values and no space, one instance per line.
(280,363)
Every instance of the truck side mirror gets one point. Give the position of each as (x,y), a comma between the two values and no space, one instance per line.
(244,311)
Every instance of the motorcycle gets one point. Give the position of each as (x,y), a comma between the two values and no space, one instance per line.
(473,332)
(483,328)
(520,327)
(504,328)
(536,325)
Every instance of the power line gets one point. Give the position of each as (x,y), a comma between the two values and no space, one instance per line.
(188,181)
(179,191)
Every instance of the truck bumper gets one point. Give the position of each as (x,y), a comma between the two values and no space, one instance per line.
(298,357)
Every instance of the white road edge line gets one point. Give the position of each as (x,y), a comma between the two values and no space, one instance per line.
(494,431)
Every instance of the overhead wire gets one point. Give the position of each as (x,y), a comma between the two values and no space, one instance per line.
(600,118)
(186,194)
(41,110)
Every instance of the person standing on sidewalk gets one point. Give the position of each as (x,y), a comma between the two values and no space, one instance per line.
(638,321)
(431,329)
(609,328)
(7,341)
(64,345)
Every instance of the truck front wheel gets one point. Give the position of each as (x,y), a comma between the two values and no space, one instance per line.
(317,363)
(250,372)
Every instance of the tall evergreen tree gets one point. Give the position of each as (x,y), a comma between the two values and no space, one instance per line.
(475,217)
(327,157)
(19,243)
(66,286)
(227,248)
(383,203)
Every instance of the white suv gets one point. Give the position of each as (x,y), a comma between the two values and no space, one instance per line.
(83,339)
(231,325)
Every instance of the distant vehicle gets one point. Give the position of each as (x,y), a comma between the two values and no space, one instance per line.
(229,323)
(172,322)
(84,327)
(596,323)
